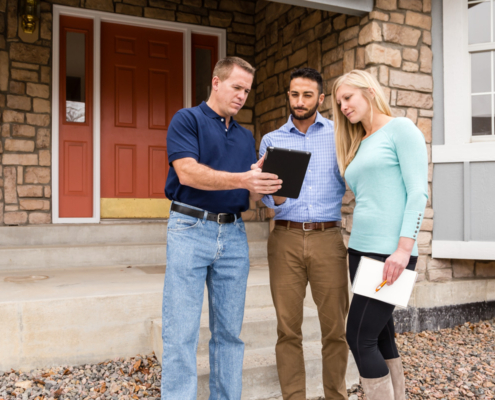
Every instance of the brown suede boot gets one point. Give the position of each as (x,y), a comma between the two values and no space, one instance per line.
(378,388)
(397,374)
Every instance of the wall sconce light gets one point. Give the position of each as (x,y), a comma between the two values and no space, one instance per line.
(29,15)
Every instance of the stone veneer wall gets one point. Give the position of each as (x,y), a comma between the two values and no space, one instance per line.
(393,42)
(25,91)
(25,122)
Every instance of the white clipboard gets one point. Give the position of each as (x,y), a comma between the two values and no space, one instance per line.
(369,275)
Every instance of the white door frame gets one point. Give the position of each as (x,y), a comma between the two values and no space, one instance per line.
(98,17)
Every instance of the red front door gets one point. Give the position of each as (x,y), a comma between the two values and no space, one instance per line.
(141,90)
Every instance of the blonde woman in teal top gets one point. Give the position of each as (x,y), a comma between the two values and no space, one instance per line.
(385,163)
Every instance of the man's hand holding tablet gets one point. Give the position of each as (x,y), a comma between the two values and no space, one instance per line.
(290,166)
(258,166)
(260,182)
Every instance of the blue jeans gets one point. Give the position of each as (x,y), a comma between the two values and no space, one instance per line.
(200,251)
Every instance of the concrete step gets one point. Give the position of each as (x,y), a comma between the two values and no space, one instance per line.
(85,315)
(60,284)
(258,293)
(260,377)
(83,234)
(258,252)
(259,329)
(77,316)
(104,233)
(69,246)
(259,333)
(32,258)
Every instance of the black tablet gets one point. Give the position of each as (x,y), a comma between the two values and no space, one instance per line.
(290,166)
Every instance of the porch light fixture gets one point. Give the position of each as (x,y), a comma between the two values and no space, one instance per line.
(29,15)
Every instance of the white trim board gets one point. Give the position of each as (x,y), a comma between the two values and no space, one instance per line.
(459,145)
(475,151)
(98,17)
(457,92)
(351,7)
(463,250)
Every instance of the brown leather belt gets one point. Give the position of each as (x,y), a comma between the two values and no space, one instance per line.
(307,226)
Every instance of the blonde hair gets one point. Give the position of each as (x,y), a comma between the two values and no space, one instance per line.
(347,135)
(223,68)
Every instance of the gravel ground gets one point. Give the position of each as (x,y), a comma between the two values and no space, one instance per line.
(456,363)
(122,379)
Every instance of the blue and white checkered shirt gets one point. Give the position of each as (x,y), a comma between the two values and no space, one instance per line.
(321,195)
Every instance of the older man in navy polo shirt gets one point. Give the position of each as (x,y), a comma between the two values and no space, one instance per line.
(210,182)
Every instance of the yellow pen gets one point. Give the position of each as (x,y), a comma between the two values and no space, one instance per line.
(380,286)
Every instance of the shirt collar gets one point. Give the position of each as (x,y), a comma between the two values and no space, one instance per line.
(212,114)
(319,120)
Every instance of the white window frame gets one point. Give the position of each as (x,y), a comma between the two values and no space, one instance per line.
(459,145)
(463,250)
(98,17)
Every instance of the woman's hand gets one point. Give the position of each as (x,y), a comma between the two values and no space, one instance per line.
(397,262)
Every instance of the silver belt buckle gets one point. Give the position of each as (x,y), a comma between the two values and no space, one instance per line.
(304,229)
(218,217)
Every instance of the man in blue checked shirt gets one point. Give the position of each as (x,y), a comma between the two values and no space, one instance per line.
(307,245)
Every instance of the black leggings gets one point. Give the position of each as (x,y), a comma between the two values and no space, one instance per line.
(370,325)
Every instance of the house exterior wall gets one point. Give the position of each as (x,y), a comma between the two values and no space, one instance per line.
(396,43)
(393,42)
(462,191)
(26,89)
(274,37)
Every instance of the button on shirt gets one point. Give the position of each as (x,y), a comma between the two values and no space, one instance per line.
(389,177)
(321,195)
(200,133)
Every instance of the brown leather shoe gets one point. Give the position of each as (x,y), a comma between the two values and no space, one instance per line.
(378,388)
(397,374)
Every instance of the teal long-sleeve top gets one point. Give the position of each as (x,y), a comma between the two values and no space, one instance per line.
(389,178)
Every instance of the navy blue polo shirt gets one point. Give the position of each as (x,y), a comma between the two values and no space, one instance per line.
(200,133)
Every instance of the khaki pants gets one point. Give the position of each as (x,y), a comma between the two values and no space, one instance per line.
(319,257)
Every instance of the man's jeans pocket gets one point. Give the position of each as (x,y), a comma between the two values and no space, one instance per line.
(240,225)
(182,222)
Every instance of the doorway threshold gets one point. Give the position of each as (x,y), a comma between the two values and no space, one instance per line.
(134,221)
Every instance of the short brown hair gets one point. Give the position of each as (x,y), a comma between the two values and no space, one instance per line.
(224,67)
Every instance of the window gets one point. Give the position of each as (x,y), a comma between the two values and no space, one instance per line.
(464,157)
(481,46)
(75,76)
(468,41)
(204,58)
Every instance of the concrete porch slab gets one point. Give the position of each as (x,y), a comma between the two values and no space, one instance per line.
(87,315)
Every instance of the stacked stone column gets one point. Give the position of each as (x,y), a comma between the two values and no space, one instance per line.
(25,100)
(393,42)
